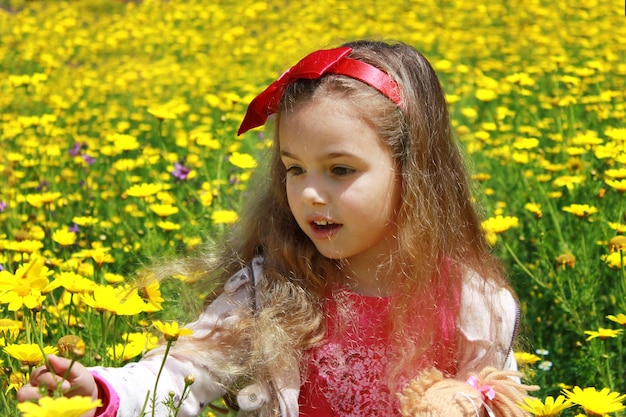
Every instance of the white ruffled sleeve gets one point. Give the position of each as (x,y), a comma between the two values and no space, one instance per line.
(487,326)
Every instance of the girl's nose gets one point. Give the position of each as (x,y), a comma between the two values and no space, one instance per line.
(312,194)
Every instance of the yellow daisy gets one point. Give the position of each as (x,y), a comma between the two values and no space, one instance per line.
(171,331)
(25,287)
(552,407)
(603,333)
(580,210)
(58,407)
(29,354)
(597,403)
(620,318)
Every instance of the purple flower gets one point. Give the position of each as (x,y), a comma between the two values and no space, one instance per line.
(3,206)
(74,228)
(180,171)
(43,185)
(88,159)
(76,148)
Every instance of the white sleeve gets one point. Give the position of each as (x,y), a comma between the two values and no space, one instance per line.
(133,382)
(487,326)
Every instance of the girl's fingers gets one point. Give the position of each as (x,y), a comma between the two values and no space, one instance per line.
(28,393)
(42,377)
(37,374)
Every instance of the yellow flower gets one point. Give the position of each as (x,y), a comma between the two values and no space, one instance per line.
(136,344)
(500,224)
(16,381)
(71,346)
(168,226)
(123,142)
(525,358)
(124,351)
(112,278)
(481,176)
(526,143)
(469,112)
(152,294)
(618,227)
(24,246)
(550,408)
(568,181)
(534,209)
(580,210)
(144,190)
(38,200)
(242,160)
(617,243)
(619,173)
(162,112)
(25,287)
(10,327)
(85,221)
(564,260)
(56,407)
(64,237)
(620,319)
(74,282)
(603,333)
(614,260)
(171,331)
(596,402)
(224,216)
(118,301)
(619,185)
(29,354)
(485,94)
(163,210)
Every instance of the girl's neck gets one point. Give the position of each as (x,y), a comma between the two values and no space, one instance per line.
(367,280)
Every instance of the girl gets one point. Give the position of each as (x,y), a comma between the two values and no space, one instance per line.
(359,263)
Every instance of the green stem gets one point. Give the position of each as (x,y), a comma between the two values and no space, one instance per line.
(156,383)
(27,324)
(521,265)
(182,398)
(622,296)
(69,310)
(5,405)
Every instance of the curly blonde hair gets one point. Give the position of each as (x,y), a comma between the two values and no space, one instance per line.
(439,232)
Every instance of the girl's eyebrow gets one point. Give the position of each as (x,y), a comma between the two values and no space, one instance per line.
(287,154)
(331,155)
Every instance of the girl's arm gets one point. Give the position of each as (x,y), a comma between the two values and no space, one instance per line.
(200,355)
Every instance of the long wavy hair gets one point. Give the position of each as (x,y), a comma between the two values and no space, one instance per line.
(439,235)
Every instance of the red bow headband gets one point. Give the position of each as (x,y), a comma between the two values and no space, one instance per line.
(312,66)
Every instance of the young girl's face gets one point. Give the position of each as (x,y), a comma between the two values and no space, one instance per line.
(342,184)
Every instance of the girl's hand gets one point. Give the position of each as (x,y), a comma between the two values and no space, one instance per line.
(78,380)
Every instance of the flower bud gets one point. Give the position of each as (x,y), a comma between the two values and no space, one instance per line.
(71,346)
(189,379)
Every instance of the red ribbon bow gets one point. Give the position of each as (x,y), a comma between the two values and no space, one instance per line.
(312,66)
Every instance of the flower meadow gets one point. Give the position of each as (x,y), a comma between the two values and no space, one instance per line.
(118,146)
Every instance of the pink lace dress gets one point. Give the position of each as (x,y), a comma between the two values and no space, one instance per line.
(346,373)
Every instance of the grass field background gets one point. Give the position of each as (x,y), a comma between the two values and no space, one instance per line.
(118,146)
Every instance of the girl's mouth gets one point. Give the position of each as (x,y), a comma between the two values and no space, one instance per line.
(324,229)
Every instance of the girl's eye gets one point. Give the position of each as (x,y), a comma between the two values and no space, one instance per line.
(294,170)
(342,171)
